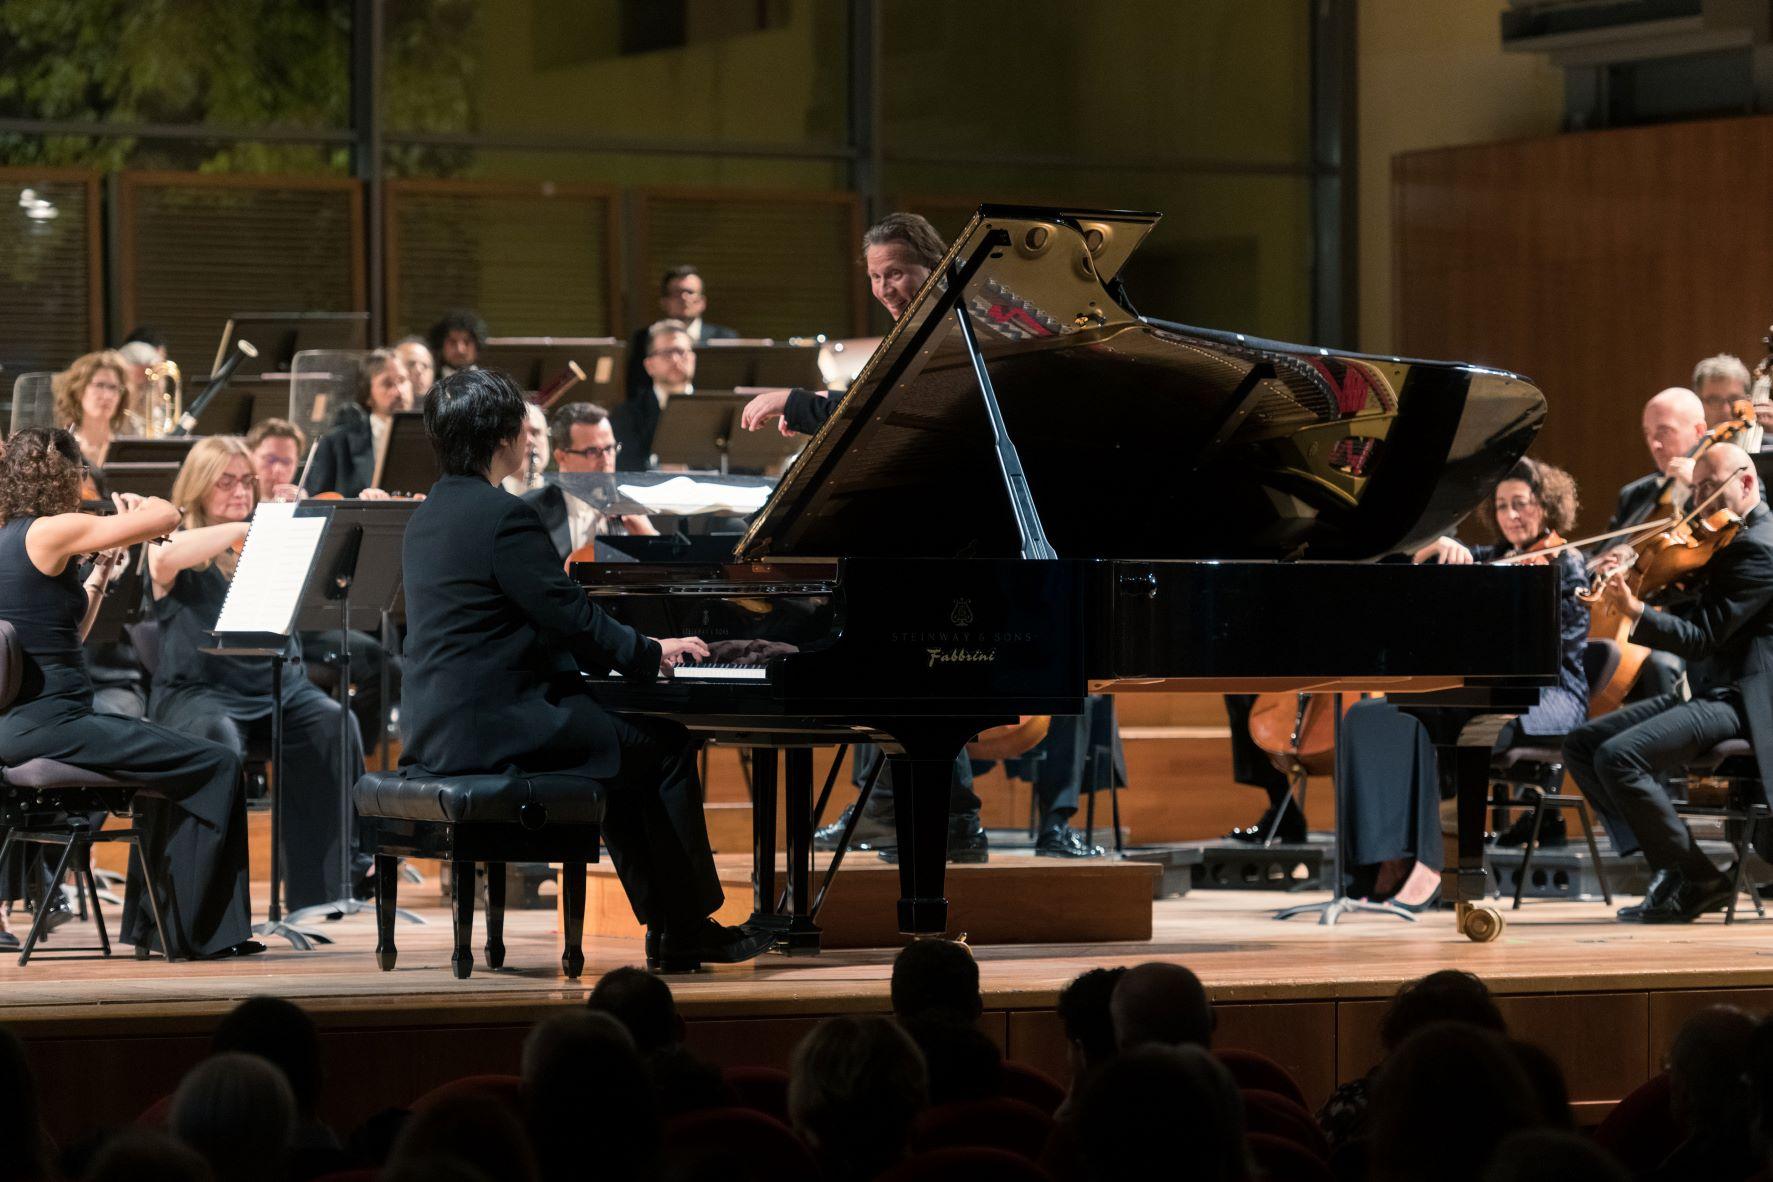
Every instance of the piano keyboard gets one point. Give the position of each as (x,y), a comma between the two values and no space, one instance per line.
(721,673)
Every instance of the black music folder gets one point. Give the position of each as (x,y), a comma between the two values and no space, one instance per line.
(409,466)
(695,430)
(143,449)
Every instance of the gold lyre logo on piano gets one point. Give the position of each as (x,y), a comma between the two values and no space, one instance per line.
(962,615)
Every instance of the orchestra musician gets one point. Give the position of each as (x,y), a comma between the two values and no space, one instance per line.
(684,298)
(583,441)
(456,341)
(192,809)
(227,699)
(1721,382)
(1384,759)
(92,401)
(278,448)
(899,252)
(1725,634)
(349,458)
(535,452)
(1251,765)
(670,366)
(497,636)
(421,367)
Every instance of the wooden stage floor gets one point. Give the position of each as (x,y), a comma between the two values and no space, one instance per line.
(1604,997)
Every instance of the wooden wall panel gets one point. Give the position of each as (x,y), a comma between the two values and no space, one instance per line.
(1300,1036)
(1601,265)
(1669,1010)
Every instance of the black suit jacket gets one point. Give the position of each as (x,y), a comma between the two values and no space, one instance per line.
(1635,500)
(807,410)
(634,423)
(637,343)
(345,461)
(1726,632)
(549,502)
(496,636)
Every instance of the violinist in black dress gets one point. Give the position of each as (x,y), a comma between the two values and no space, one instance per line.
(227,699)
(191,807)
(1385,758)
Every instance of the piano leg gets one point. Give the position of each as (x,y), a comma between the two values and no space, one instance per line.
(763,834)
(801,935)
(921,758)
(1463,882)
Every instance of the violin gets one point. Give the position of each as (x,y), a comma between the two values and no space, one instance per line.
(1742,419)
(1659,561)
(1537,552)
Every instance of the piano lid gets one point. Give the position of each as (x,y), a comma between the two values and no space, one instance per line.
(1140,438)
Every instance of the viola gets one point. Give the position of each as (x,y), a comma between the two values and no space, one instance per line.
(1742,419)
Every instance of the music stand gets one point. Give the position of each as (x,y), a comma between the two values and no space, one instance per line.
(763,450)
(354,583)
(281,335)
(148,480)
(409,465)
(144,449)
(695,430)
(233,409)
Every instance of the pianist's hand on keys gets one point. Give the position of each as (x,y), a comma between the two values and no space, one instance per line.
(674,651)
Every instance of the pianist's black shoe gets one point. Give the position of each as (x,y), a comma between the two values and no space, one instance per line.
(1552,831)
(1291,829)
(685,950)
(1060,840)
(874,830)
(1689,900)
(967,842)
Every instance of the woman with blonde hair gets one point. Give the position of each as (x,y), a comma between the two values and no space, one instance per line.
(228,699)
(92,400)
(191,807)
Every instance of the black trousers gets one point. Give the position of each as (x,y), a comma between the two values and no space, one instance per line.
(655,828)
(961,797)
(192,813)
(1059,764)
(312,807)
(1615,758)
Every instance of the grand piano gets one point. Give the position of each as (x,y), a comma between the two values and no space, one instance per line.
(1032,493)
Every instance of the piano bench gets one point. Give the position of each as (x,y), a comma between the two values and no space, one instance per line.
(490,819)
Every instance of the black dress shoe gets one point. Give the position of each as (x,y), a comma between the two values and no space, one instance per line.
(875,829)
(1662,884)
(8,942)
(1688,901)
(967,842)
(244,948)
(1060,840)
(677,950)
(1552,831)
(1291,829)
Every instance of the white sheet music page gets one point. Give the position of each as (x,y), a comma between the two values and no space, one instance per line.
(272,571)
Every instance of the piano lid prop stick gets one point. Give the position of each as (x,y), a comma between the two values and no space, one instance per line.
(554,391)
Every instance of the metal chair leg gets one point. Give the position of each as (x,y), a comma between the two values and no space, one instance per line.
(39,921)
(1527,852)
(1594,851)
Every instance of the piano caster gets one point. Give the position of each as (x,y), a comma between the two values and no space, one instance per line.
(1480,925)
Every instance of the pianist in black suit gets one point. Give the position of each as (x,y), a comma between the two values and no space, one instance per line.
(582,440)
(899,253)
(683,297)
(349,458)
(1726,636)
(1674,423)
(498,635)
(1385,759)
(669,362)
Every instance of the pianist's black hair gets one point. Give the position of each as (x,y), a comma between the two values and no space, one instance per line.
(468,415)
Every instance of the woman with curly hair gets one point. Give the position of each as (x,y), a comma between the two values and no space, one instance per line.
(1385,759)
(92,401)
(227,699)
(349,458)
(191,809)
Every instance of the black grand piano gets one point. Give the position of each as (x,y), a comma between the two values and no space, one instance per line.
(1032,493)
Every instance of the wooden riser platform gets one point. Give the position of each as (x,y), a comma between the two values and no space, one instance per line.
(109,1037)
(1012,899)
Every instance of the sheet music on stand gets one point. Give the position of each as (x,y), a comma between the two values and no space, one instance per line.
(272,573)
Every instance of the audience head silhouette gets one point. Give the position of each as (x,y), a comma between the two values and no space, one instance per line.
(583,1084)
(238,1113)
(474,1131)
(282,1034)
(146,1155)
(1553,1155)
(1422,1126)
(642,1003)
(854,1089)
(1152,1106)
(1446,996)
(1161,1003)
(937,977)
(1089,1026)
